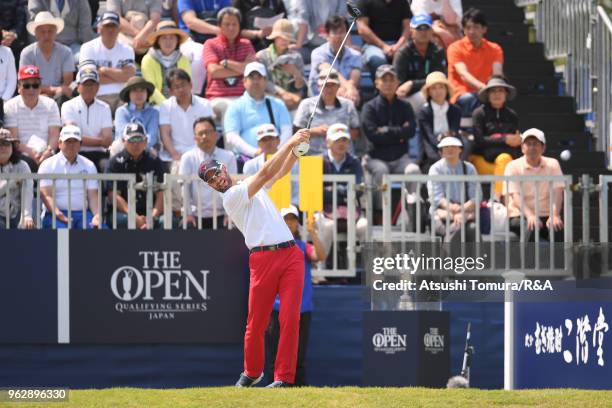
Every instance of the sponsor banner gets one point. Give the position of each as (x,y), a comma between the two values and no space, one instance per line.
(406,348)
(28,293)
(157,286)
(563,344)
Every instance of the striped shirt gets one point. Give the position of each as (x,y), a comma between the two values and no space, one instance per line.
(29,122)
(217,49)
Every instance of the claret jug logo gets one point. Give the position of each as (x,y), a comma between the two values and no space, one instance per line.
(161,289)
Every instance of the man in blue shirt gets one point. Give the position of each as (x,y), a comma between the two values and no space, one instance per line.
(348,65)
(252,109)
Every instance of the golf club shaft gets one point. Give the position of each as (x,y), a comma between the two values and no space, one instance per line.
(328,72)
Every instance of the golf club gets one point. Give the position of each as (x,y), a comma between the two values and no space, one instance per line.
(354,12)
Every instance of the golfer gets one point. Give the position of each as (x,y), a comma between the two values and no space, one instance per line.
(275,262)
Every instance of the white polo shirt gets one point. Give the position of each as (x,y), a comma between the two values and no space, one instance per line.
(58,164)
(181,122)
(258,219)
(34,121)
(117,57)
(190,164)
(90,119)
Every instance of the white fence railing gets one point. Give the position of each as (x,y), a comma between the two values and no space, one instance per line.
(21,182)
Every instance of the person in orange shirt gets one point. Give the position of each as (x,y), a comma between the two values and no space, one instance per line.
(472,61)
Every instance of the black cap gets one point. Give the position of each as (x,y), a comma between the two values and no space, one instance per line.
(384,70)
(134,129)
(208,165)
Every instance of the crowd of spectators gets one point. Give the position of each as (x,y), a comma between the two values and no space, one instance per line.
(139,88)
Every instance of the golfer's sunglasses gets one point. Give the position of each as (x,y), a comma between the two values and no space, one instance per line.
(214,173)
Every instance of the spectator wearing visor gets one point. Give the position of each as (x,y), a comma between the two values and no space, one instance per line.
(19,210)
(81,196)
(135,159)
(92,116)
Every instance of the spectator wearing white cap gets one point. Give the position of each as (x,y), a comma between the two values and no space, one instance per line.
(135,159)
(268,141)
(446,200)
(331,109)
(338,160)
(52,58)
(534,163)
(92,116)
(69,161)
(254,108)
(76,15)
(206,137)
(115,61)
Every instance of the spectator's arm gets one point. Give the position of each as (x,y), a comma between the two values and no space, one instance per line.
(28,195)
(428,137)
(199,26)
(125,26)
(166,138)
(467,77)
(449,15)
(103,140)
(481,139)
(237,143)
(318,252)
(53,138)
(112,75)
(301,35)
(85,32)
(354,77)
(158,208)
(498,68)
(558,203)
(364,30)
(141,38)
(46,194)
(11,78)
(92,197)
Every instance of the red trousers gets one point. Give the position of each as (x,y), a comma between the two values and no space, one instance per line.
(274,272)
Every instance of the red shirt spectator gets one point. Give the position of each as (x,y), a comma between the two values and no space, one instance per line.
(225,57)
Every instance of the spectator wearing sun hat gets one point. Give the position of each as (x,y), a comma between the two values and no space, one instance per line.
(33,118)
(76,16)
(58,197)
(92,116)
(283,65)
(164,55)
(136,94)
(114,60)
(53,59)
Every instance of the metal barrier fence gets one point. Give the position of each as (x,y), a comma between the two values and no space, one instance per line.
(400,233)
(581,32)
(194,192)
(24,183)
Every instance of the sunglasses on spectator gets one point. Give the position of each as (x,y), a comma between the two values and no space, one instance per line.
(423,27)
(136,139)
(4,143)
(35,85)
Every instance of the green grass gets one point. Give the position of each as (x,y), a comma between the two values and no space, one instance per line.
(352,397)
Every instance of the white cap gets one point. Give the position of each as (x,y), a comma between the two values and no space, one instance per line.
(449,141)
(265,130)
(289,210)
(70,132)
(254,67)
(533,132)
(338,131)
